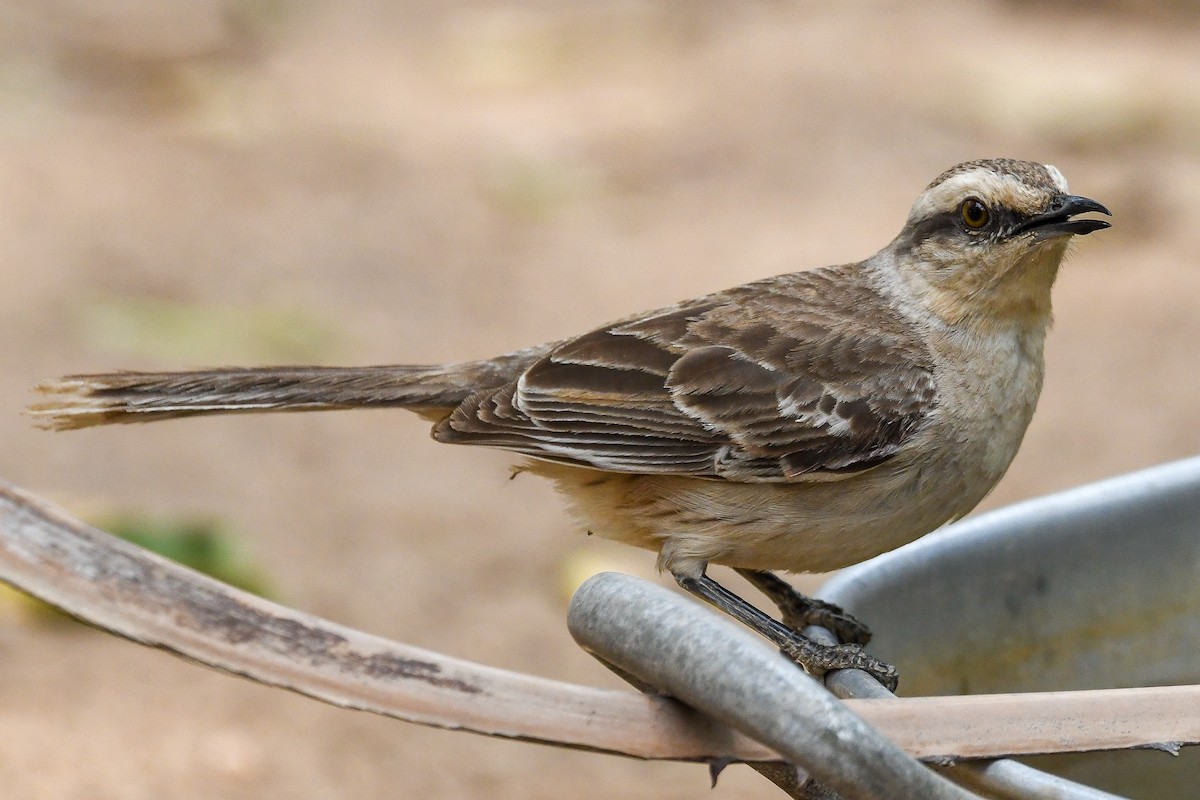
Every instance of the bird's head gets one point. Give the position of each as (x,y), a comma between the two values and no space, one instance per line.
(984,241)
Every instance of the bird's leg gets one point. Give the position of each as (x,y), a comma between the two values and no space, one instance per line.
(813,656)
(800,611)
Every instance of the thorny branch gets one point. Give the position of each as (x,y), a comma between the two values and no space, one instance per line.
(140,596)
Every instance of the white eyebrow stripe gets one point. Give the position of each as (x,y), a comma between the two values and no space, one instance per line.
(1060,180)
(987,185)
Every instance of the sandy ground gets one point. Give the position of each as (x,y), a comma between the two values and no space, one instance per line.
(433,181)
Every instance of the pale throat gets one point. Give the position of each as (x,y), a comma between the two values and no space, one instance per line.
(1010,291)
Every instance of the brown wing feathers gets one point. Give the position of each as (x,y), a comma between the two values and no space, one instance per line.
(763,391)
(766,382)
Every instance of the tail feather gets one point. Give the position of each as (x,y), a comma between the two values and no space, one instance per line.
(80,401)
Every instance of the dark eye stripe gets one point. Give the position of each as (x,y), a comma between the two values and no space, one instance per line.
(949,225)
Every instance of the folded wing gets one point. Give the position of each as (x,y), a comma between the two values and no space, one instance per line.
(797,377)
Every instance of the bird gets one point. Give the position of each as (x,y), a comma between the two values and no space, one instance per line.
(798,423)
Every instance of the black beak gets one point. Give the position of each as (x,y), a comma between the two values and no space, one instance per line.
(1056,220)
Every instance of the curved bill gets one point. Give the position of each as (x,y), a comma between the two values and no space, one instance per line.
(1057,220)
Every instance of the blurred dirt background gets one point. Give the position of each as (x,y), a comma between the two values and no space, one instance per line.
(249,181)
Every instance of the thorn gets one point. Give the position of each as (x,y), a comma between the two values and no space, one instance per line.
(716,767)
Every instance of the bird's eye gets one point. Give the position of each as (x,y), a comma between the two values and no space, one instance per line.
(974,213)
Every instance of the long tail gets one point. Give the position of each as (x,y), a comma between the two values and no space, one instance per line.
(80,401)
